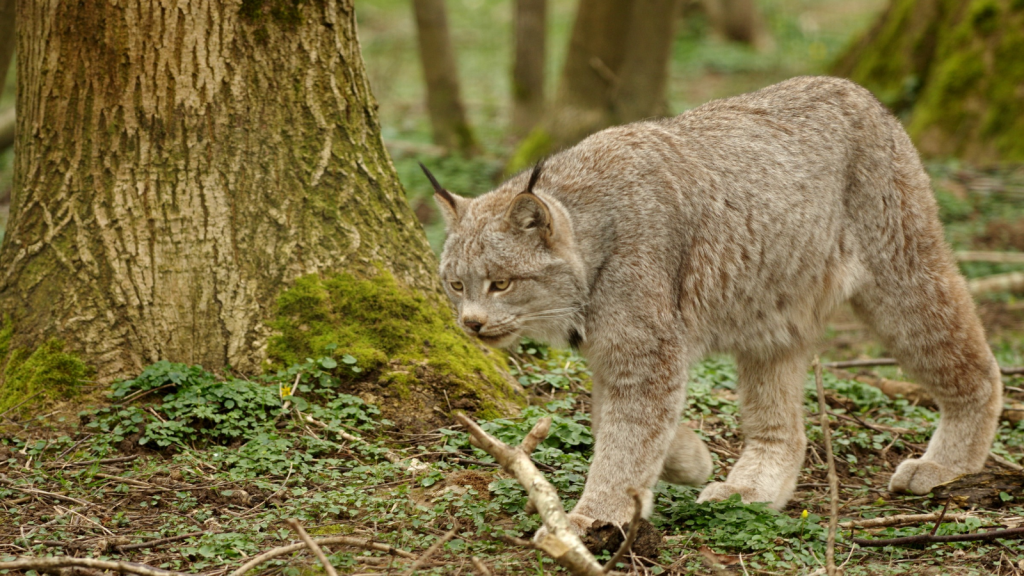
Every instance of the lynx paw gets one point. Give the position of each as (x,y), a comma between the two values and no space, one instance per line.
(723,490)
(578,522)
(919,476)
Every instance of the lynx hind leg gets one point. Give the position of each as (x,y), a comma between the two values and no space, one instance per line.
(926,319)
(688,460)
(771,408)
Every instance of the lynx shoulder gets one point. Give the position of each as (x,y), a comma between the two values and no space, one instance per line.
(736,227)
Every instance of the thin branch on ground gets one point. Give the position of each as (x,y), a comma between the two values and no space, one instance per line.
(342,540)
(12,486)
(833,477)
(634,528)
(1004,462)
(48,564)
(561,541)
(942,515)
(160,542)
(481,568)
(867,363)
(294,524)
(900,520)
(425,557)
(1009,533)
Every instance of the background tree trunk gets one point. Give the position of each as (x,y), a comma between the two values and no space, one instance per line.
(7,39)
(738,21)
(953,69)
(643,80)
(447,115)
(528,70)
(171,186)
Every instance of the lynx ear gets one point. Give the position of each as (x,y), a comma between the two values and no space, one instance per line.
(530,214)
(452,205)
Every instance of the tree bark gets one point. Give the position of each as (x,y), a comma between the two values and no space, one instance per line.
(590,76)
(7,38)
(643,81)
(171,186)
(953,70)
(447,115)
(738,21)
(528,70)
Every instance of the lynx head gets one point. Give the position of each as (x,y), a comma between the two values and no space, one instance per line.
(510,264)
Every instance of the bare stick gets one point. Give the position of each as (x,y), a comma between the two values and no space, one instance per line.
(343,540)
(870,362)
(44,564)
(996,257)
(294,524)
(941,516)
(1004,462)
(481,568)
(932,539)
(634,527)
(11,485)
(900,520)
(160,542)
(425,557)
(833,478)
(561,541)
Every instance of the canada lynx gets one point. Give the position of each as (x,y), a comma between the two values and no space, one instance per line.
(736,227)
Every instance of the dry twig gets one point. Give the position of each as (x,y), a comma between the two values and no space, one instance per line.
(481,568)
(561,541)
(343,540)
(833,478)
(160,542)
(425,557)
(47,564)
(294,524)
(932,538)
(900,520)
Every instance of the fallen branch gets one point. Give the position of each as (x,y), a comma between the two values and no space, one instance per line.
(294,524)
(48,564)
(425,557)
(634,528)
(12,486)
(561,541)
(994,257)
(1009,282)
(900,520)
(343,540)
(872,362)
(160,542)
(833,477)
(481,568)
(413,466)
(932,538)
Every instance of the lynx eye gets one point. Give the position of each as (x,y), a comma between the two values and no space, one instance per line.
(499,285)
(457,286)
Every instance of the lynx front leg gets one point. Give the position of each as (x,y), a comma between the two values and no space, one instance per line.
(771,408)
(635,420)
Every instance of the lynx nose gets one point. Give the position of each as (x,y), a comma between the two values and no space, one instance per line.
(472,325)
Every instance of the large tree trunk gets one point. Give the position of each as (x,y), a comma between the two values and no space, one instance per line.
(643,80)
(528,69)
(447,115)
(170,186)
(615,71)
(738,21)
(953,69)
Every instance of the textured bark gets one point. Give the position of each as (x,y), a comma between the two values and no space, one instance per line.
(447,115)
(738,20)
(528,70)
(172,183)
(954,70)
(589,78)
(643,80)
(6,39)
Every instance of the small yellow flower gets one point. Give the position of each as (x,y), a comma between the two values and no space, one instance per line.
(804,514)
(286,391)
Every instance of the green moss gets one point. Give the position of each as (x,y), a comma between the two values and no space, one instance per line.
(285,12)
(37,376)
(407,341)
(534,147)
(985,15)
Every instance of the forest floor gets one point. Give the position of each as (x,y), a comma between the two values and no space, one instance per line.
(190,471)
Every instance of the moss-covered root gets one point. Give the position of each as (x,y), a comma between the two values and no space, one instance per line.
(413,361)
(31,378)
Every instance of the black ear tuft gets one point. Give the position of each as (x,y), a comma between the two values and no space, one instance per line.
(534,176)
(437,187)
